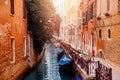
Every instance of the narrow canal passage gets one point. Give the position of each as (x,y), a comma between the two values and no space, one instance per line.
(47,68)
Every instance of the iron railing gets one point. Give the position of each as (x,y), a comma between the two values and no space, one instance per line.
(103,72)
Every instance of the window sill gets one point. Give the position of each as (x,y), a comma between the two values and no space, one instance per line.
(108,39)
(12,15)
(12,62)
(25,57)
(24,19)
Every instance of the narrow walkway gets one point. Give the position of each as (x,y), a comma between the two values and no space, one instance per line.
(115,70)
(51,63)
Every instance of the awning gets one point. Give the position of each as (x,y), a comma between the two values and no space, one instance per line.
(65,60)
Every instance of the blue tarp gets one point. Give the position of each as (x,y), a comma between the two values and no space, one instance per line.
(59,50)
(79,78)
(64,60)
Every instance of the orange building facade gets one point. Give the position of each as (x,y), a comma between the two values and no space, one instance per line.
(13,39)
(88,23)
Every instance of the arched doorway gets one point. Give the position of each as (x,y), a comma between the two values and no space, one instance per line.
(100,54)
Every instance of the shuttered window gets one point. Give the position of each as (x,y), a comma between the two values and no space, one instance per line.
(24,9)
(12,50)
(91,11)
(108,5)
(87,17)
(109,33)
(100,34)
(12,7)
(24,46)
(118,6)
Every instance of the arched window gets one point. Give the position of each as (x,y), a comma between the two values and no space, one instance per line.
(109,33)
(24,9)
(100,34)
(12,50)
(24,46)
(12,7)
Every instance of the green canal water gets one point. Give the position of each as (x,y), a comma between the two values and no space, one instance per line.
(47,68)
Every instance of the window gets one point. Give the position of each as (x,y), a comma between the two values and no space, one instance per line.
(24,46)
(12,7)
(100,36)
(92,40)
(87,17)
(99,6)
(108,5)
(12,50)
(84,15)
(109,34)
(118,6)
(24,9)
(91,11)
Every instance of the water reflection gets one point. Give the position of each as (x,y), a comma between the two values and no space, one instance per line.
(47,68)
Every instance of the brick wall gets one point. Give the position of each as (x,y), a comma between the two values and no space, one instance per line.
(12,26)
(111,46)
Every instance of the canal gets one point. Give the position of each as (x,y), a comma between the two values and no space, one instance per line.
(47,68)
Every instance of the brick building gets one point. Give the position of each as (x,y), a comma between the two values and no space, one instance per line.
(13,39)
(108,30)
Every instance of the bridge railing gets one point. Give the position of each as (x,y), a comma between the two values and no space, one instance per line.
(91,67)
(88,66)
(103,72)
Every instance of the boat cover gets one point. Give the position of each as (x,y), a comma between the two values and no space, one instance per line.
(65,60)
(79,78)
